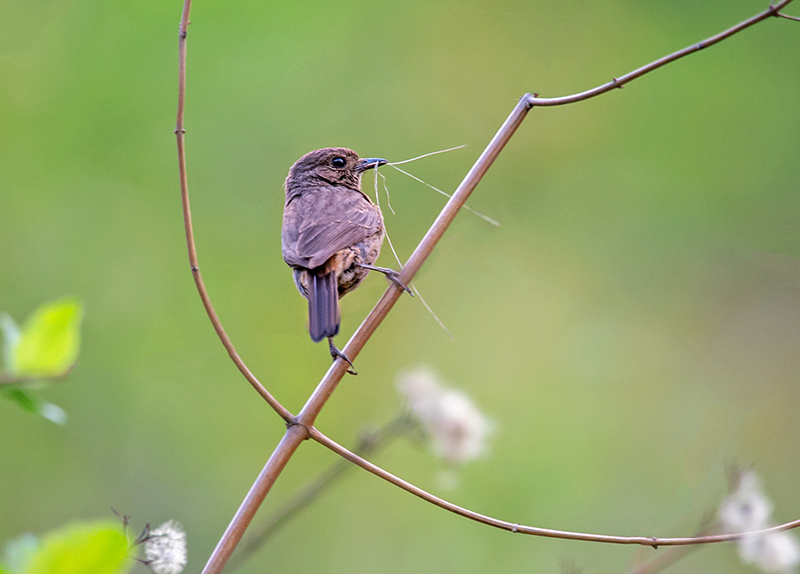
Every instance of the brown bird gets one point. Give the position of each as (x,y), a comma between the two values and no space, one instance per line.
(331,235)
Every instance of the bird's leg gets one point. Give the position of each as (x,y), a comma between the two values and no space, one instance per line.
(337,354)
(391,275)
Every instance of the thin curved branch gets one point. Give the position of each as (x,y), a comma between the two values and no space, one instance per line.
(772,11)
(180,132)
(795,18)
(663,560)
(653,541)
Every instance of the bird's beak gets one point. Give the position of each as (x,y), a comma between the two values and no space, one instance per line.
(369,163)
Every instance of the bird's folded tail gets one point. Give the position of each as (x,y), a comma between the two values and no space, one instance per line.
(323,304)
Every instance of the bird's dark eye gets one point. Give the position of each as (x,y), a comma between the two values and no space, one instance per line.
(338,162)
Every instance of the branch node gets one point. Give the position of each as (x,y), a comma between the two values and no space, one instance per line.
(296,423)
(615,81)
(195,269)
(654,545)
(180,131)
(527,98)
(515,528)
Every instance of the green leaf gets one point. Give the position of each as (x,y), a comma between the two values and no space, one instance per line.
(17,552)
(25,400)
(82,548)
(32,404)
(50,340)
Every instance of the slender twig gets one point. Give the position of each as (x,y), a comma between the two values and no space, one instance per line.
(795,18)
(11,379)
(615,83)
(370,443)
(668,557)
(301,427)
(652,541)
(180,132)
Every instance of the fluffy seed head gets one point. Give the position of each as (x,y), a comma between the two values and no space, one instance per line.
(457,430)
(165,549)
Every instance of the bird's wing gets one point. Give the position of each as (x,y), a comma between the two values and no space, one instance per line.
(318,240)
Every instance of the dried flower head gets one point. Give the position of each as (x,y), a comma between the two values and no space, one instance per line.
(165,549)
(458,431)
(777,553)
(748,508)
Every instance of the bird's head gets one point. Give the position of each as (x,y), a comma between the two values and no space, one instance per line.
(332,166)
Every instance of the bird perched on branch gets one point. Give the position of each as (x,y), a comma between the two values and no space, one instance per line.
(331,235)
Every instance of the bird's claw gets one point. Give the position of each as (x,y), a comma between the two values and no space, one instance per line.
(391,275)
(337,354)
(394,277)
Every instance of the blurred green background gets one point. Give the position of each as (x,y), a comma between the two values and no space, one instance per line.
(632,327)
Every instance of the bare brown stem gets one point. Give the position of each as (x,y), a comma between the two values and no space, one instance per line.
(665,559)
(615,83)
(533,530)
(795,18)
(295,434)
(180,132)
(670,556)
